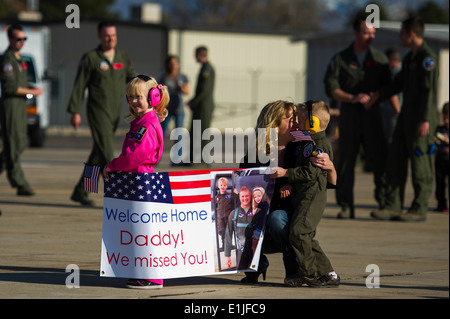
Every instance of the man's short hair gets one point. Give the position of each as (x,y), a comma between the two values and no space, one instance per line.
(14,27)
(414,24)
(244,189)
(202,50)
(104,24)
(360,18)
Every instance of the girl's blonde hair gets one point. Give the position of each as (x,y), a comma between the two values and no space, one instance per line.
(270,118)
(139,86)
(264,198)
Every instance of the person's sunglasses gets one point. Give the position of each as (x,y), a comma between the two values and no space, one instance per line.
(20,39)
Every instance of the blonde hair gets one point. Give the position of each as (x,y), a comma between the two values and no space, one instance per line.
(270,118)
(264,198)
(320,109)
(224,180)
(139,86)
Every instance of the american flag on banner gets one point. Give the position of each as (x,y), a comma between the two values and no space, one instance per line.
(171,188)
(90,178)
(302,136)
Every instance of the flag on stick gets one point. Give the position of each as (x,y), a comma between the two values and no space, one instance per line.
(302,136)
(90,178)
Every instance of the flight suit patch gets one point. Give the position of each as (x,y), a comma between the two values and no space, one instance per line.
(7,68)
(429,64)
(206,73)
(104,65)
(308,150)
(140,133)
(118,66)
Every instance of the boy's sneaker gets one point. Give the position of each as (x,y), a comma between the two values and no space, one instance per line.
(331,281)
(142,284)
(314,281)
(325,281)
(293,281)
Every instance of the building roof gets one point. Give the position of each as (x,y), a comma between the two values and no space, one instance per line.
(438,33)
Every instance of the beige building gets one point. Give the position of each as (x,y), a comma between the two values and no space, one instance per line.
(252,69)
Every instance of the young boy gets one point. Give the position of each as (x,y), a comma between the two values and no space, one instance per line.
(309,183)
(225,203)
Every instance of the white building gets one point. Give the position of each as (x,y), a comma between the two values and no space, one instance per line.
(252,69)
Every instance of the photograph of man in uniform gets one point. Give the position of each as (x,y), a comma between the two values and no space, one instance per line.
(245,226)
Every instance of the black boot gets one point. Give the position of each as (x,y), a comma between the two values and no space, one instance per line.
(252,277)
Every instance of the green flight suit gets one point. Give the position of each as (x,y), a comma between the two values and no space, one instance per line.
(202,104)
(418,81)
(309,199)
(106,84)
(356,125)
(13,116)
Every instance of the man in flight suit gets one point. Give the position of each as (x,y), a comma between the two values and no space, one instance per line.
(416,124)
(351,75)
(13,113)
(105,72)
(202,105)
(238,220)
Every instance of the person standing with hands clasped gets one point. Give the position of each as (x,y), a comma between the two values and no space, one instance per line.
(413,137)
(143,145)
(350,77)
(309,196)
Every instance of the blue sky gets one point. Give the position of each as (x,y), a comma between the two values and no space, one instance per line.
(395,7)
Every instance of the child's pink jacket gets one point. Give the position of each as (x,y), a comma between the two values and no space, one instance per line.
(143,146)
(141,150)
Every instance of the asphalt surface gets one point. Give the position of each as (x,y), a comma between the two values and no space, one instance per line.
(42,235)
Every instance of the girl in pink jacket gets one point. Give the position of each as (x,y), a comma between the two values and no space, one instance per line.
(143,145)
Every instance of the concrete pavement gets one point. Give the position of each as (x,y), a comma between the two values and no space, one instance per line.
(43,234)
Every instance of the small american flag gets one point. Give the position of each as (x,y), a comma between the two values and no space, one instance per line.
(171,188)
(90,178)
(302,136)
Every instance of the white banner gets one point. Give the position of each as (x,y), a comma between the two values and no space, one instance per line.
(167,225)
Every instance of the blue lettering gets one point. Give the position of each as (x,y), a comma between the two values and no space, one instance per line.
(203,215)
(111,213)
(148,218)
(180,216)
(136,220)
(123,217)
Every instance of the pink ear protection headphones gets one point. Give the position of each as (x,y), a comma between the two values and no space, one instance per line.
(154,95)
